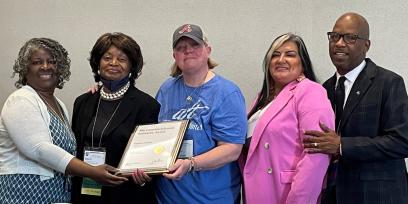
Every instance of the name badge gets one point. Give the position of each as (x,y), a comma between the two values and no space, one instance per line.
(186,149)
(93,156)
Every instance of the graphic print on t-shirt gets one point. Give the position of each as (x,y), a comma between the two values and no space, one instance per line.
(192,114)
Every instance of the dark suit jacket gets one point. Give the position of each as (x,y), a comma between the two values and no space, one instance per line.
(374,139)
(136,108)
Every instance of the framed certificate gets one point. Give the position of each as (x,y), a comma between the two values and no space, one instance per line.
(153,148)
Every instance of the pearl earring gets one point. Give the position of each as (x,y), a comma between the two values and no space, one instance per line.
(300,77)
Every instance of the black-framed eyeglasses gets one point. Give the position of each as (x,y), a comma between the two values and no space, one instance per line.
(349,38)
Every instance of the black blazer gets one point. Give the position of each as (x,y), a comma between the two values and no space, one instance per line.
(136,108)
(374,139)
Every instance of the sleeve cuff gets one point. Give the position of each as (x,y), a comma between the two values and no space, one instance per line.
(62,165)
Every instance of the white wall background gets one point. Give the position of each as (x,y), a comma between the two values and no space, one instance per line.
(240,32)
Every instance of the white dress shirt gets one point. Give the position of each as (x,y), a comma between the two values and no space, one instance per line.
(351,77)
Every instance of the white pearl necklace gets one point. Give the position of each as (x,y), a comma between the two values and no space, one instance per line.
(114,95)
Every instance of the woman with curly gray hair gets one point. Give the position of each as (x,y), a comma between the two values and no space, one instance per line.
(37,144)
(59,54)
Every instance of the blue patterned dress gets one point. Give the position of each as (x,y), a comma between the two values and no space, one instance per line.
(28,188)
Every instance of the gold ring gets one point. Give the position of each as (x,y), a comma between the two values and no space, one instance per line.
(315,144)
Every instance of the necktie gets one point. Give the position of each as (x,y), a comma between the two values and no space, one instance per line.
(339,100)
(329,196)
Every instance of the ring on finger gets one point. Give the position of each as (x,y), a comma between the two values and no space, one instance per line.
(142,184)
(315,144)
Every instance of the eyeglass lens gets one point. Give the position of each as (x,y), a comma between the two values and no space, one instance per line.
(347,37)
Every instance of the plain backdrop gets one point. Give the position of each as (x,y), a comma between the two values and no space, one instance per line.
(239,31)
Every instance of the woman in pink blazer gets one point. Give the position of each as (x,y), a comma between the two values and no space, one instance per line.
(275,167)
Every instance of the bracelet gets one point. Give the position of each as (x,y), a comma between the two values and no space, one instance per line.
(191,165)
(194,166)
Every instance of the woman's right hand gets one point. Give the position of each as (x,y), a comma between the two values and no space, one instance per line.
(178,169)
(104,174)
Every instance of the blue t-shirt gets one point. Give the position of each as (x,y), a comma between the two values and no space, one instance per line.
(217,113)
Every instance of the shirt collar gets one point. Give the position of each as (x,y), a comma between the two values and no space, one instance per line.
(352,75)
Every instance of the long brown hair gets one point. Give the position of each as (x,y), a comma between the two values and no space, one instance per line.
(264,95)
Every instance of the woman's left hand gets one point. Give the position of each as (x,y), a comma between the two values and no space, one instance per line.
(93,89)
(105,175)
(178,170)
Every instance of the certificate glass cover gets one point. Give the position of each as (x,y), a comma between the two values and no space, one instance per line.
(153,148)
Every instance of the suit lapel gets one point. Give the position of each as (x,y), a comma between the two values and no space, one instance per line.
(277,105)
(88,113)
(330,88)
(359,89)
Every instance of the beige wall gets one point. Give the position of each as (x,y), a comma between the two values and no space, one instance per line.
(239,31)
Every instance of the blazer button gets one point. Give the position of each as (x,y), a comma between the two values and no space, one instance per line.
(266,145)
(269,170)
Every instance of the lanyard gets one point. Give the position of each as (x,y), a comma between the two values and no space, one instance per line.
(106,125)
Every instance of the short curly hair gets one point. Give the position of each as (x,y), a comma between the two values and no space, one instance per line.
(123,42)
(56,51)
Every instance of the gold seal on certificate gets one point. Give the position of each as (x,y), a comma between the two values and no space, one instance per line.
(153,148)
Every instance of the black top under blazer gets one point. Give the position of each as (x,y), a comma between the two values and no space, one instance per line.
(136,108)
(374,139)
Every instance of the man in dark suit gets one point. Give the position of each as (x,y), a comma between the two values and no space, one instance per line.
(371,137)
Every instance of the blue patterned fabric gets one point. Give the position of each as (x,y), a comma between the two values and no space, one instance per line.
(29,189)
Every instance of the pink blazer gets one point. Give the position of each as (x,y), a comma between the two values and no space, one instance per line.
(277,170)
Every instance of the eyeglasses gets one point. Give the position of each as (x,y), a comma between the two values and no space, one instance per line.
(349,38)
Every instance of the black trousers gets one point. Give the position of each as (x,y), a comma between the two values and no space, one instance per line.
(329,195)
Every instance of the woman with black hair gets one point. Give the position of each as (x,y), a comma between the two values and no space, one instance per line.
(289,102)
(103,121)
